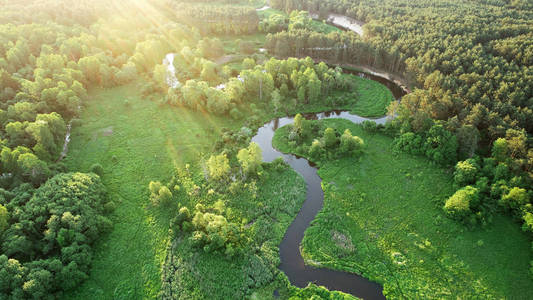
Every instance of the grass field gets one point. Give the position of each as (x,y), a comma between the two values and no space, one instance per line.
(382,218)
(135,143)
(373,98)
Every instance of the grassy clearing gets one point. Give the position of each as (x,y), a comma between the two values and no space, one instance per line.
(373,98)
(135,143)
(382,218)
(231,46)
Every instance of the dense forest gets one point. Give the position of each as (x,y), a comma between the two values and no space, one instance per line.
(162,100)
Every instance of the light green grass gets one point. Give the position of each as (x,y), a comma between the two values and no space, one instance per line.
(143,143)
(373,98)
(231,46)
(382,218)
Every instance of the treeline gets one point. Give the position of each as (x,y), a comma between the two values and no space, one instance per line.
(280,84)
(218,19)
(334,47)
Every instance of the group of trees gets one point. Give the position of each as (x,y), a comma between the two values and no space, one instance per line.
(210,230)
(326,143)
(296,20)
(46,243)
(280,84)
(218,19)
(218,168)
(490,184)
(344,47)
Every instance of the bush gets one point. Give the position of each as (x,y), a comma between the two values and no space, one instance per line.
(514,199)
(159,194)
(408,142)
(459,205)
(465,172)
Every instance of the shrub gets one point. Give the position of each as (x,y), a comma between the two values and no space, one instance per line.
(408,142)
(159,194)
(4,218)
(459,205)
(465,172)
(515,198)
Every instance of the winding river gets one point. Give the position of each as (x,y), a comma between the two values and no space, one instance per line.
(292,262)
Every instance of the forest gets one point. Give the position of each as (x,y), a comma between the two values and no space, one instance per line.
(166,149)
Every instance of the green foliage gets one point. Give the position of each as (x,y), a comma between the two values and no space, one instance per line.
(459,205)
(412,239)
(250,159)
(97,169)
(351,144)
(49,237)
(218,167)
(465,172)
(515,198)
(4,218)
(330,138)
(226,239)
(217,19)
(500,150)
(159,194)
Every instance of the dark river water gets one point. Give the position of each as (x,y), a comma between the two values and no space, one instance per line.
(292,262)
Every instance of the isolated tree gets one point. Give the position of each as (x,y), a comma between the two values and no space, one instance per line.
(330,138)
(250,159)
(218,167)
(4,218)
(459,205)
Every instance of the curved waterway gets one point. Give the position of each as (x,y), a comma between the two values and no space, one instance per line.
(292,262)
